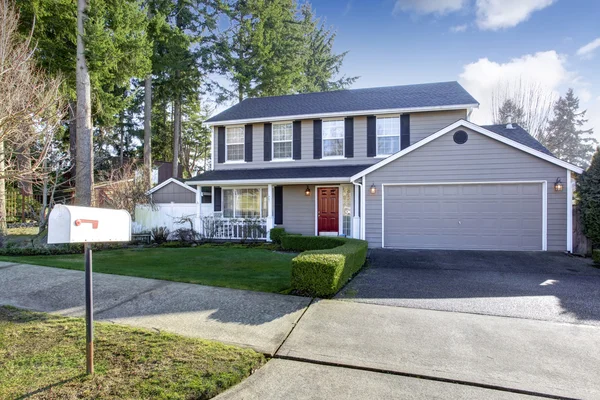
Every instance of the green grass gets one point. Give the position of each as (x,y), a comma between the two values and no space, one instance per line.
(227,266)
(29,231)
(43,357)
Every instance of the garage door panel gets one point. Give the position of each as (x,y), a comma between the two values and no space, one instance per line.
(472,216)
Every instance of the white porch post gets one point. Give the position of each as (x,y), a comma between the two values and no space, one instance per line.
(569,212)
(270,219)
(356,212)
(197,220)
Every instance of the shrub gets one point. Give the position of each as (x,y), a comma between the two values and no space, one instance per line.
(325,271)
(588,193)
(160,234)
(596,256)
(277,234)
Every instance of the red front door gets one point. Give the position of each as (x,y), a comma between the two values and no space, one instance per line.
(328,210)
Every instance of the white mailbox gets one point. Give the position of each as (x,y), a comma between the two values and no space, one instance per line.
(72,224)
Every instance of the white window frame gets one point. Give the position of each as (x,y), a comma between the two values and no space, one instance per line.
(227,160)
(273,141)
(377,135)
(323,139)
(261,190)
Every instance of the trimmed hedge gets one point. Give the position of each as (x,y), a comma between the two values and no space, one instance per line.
(596,256)
(327,265)
(276,234)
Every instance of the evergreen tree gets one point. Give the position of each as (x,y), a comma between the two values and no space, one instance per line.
(565,137)
(588,191)
(509,111)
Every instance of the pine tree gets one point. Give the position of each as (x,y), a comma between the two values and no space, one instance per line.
(510,112)
(588,191)
(565,137)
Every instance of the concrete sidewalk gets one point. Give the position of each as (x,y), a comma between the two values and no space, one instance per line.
(283,379)
(257,320)
(534,356)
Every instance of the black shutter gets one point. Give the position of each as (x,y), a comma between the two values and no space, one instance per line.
(217,199)
(404,131)
(248,143)
(267,142)
(371,136)
(297,143)
(278,205)
(221,145)
(317,136)
(349,137)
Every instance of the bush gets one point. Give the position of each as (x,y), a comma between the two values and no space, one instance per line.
(40,251)
(160,234)
(277,234)
(588,192)
(325,271)
(596,256)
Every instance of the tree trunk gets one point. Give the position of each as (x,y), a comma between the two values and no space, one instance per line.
(176,136)
(122,139)
(84,178)
(3,227)
(72,109)
(148,131)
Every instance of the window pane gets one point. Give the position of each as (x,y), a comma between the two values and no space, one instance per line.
(388,126)
(235,135)
(282,132)
(388,145)
(347,210)
(282,150)
(247,203)
(265,202)
(333,129)
(235,152)
(333,147)
(227,203)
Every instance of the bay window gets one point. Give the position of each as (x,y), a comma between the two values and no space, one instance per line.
(388,136)
(234,144)
(245,203)
(282,141)
(333,138)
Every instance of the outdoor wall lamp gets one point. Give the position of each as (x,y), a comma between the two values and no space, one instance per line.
(558,185)
(307,191)
(373,189)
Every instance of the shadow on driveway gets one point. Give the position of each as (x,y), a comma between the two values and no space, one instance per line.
(535,285)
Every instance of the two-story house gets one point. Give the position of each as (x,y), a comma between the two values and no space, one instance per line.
(401,167)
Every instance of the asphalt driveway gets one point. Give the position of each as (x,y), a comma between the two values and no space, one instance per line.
(534,285)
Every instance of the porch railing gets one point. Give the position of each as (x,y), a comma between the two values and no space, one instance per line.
(234,228)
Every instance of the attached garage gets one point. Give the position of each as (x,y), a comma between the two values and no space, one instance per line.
(465,216)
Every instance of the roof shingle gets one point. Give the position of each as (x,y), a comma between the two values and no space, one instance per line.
(338,171)
(519,135)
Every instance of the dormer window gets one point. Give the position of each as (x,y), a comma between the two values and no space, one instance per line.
(333,138)
(388,135)
(234,140)
(282,141)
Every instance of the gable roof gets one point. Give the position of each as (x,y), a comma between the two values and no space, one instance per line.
(519,135)
(406,98)
(170,180)
(476,128)
(273,175)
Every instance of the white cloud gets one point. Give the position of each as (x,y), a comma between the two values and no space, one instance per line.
(429,6)
(498,14)
(587,51)
(584,94)
(481,78)
(458,28)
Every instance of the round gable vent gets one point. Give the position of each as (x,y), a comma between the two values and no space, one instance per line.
(460,137)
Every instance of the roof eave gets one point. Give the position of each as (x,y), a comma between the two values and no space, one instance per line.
(294,181)
(341,113)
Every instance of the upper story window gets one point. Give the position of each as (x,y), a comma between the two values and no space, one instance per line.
(282,141)
(234,148)
(333,138)
(388,136)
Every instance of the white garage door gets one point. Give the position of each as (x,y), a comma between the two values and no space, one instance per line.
(464,216)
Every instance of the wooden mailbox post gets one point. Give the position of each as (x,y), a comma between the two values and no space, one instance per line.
(72,224)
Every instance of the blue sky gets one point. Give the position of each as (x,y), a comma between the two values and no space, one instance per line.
(484,44)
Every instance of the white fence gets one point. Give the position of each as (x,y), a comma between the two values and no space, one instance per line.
(163,214)
(231,228)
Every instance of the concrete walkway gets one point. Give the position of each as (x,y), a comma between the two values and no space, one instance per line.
(257,320)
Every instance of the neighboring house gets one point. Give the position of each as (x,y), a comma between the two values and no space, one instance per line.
(401,167)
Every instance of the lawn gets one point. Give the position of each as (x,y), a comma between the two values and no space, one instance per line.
(227,266)
(43,356)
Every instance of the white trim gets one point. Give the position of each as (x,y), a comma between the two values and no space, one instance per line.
(171,180)
(544,184)
(297,181)
(291,157)
(243,143)
(342,114)
(234,162)
(363,209)
(569,212)
(340,226)
(323,139)
(212,148)
(476,128)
